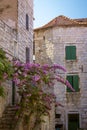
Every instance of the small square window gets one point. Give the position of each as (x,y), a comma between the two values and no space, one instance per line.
(70,52)
(74,81)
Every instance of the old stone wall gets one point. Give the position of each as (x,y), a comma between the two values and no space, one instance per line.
(13,13)
(14,37)
(7,42)
(8,12)
(8,37)
(49,120)
(50,48)
(25,37)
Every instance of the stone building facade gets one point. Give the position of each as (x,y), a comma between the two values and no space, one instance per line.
(16,38)
(64,41)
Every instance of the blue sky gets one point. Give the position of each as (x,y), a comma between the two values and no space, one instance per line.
(46,10)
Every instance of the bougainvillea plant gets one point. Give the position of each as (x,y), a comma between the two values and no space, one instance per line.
(32,81)
(5,70)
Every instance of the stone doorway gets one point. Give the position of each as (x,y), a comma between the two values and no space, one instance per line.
(73,121)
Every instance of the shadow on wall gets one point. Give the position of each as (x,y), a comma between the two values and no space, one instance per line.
(43,49)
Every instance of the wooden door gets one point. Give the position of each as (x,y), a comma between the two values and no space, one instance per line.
(73,121)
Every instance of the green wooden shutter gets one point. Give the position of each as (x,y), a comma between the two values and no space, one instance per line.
(73,52)
(70,52)
(76,82)
(68,56)
(70,79)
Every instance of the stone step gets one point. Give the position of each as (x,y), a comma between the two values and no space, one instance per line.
(8,120)
(5,129)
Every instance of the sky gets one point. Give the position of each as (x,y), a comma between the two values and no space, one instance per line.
(46,10)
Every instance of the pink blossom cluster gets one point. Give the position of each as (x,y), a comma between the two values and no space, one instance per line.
(31,78)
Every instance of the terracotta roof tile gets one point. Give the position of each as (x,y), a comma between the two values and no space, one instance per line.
(64,21)
(81,20)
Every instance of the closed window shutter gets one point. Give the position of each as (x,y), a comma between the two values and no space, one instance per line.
(27,54)
(70,52)
(68,56)
(76,82)
(73,52)
(27,22)
(70,79)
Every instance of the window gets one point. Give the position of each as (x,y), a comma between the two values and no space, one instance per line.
(27,22)
(57,115)
(70,52)
(27,54)
(74,81)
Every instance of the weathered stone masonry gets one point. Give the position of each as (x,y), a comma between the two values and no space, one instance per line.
(50,43)
(15,37)
(7,42)
(15,17)
(25,37)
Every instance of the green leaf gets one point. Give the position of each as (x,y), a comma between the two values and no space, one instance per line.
(2,92)
(1,66)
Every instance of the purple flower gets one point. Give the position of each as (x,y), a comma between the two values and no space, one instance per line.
(60,79)
(56,66)
(17,63)
(17,81)
(27,66)
(45,67)
(24,74)
(45,72)
(69,85)
(36,65)
(16,74)
(30,65)
(36,78)
(58,104)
